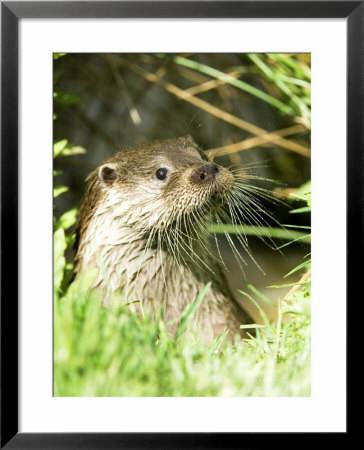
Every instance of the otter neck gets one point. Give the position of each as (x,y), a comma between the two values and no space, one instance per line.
(133,260)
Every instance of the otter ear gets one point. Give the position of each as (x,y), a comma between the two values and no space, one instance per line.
(107,173)
(189,139)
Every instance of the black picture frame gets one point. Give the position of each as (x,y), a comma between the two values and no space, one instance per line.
(11,12)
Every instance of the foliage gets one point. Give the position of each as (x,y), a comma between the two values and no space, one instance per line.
(102,352)
(289,74)
(63,239)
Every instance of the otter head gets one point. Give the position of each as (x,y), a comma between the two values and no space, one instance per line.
(153,185)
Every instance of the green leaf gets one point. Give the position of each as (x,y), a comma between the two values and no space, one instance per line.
(58,190)
(67,219)
(59,247)
(58,147)
(304,189)
(58,55)
(66,98)
(70,239)
(62,148)
(299,267)
(74,150)
(304,209)
(303,193)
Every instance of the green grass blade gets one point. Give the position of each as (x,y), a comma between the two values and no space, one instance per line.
(260,295)
(190,310)
(278,286)
(207,70)
(299,267)
(248,327)
(304,238)
(256,304)
(304,209)
(252,230)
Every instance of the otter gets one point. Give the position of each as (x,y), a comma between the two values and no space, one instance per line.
(143,225)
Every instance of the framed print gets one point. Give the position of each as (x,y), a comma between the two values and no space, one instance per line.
(156,265)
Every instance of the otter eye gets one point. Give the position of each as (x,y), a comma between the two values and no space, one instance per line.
(161,173)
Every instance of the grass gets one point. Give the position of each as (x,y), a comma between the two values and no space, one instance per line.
(290,74)
(254,230)
(103,352)
(211,71)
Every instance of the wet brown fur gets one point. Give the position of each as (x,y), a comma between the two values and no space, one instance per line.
(147,237)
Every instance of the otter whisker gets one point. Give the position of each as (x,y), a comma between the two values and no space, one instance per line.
(147,246)
(148,209)
(238,255)
(204,232)
(173,246)
(191,253)
(242,238)
(249,200)
(262,193)
(162,266)
(255,218)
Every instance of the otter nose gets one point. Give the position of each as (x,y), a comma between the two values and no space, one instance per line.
(207,172)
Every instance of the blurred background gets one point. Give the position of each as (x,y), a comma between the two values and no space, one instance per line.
(247,109)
